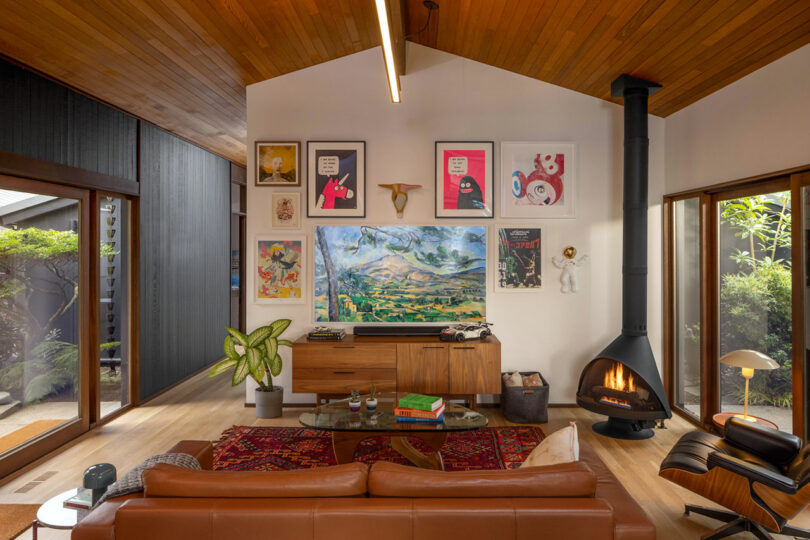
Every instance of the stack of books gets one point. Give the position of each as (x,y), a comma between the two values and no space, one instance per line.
(327,334)
(420,409)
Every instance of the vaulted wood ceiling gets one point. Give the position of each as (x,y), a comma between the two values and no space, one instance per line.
(184,64)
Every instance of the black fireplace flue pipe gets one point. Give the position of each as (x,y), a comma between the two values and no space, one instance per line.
(635,92)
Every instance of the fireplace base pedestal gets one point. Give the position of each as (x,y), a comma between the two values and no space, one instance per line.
(630,430)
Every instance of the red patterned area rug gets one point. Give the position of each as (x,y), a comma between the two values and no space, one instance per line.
(246,448)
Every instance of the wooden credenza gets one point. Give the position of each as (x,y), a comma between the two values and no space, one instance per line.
(397,364)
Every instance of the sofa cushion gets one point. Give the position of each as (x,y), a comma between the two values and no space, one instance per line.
(340,481)
(566,480)
(562,446)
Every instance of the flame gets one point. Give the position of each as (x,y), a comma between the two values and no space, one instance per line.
(614,379)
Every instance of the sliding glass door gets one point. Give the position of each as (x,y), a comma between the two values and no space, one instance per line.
(755,302)
(65,323)
(736,278)
(43,313)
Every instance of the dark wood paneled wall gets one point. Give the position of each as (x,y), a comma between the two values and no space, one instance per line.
(185,258)
(46,121)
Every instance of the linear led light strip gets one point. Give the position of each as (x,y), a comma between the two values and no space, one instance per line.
(388,50)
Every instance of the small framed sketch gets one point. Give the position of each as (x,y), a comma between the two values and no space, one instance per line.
(279,269)
(538,180)
(278,163)
(336,179)
(464,186)
(519,260)
(285,210)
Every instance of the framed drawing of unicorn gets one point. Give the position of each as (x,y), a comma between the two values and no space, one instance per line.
(336,179)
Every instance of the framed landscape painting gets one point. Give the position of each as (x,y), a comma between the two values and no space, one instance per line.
(285,210)
(520,260)
(278,163)
(400,274)
(336,179)
(538,180)
(279,270)
(464,186)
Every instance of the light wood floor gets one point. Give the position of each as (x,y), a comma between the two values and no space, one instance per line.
(202,408)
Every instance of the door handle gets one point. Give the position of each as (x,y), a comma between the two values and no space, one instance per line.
(343,373)
(464,348)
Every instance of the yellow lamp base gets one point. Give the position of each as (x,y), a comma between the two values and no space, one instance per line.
(745,417)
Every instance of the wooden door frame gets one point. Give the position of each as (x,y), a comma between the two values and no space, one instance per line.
(88,298)
(792,180)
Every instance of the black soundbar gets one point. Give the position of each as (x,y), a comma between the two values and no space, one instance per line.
(398,330)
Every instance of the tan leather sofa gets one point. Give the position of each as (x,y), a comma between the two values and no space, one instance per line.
(386,501)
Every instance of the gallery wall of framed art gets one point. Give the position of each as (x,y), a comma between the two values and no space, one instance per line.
(450,100)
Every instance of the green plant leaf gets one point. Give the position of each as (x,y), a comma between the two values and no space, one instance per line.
(286,342)
(279,326)
(259,335)
(275,366)
(223,366)
(230,349)
(255,364)
(241,371)
(271,344)
(238,336)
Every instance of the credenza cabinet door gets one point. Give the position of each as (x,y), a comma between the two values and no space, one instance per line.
(474,368)
(422,368)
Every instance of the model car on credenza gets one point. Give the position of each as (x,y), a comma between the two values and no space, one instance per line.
(463,332)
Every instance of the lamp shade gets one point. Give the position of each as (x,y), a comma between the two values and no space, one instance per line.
(746,358)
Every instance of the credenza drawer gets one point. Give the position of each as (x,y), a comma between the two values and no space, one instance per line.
(345,356)
(342,380)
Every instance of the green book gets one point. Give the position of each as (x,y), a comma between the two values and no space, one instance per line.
(420,402)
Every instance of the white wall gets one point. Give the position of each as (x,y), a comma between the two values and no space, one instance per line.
(757,125)
(446,97)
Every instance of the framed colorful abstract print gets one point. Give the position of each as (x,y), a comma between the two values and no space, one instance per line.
(520,260)
(285,210)
(278,163)
(336,179)
(279,272)
(464,186)
(538,180)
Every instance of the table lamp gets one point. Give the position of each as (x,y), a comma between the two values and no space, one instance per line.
(748,360)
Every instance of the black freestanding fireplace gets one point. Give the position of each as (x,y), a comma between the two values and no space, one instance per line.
(623,382)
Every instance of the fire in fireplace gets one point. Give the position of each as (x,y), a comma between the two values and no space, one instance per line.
(623,382)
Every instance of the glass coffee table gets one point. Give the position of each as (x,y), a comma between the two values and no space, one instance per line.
(349,428)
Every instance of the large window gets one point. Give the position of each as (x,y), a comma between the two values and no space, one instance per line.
(730,280)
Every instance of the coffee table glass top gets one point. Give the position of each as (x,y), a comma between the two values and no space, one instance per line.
(336,416)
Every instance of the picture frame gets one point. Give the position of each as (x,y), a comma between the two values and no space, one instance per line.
(278,163)
(518,259)
(285,209)
(538,180)
(336,179)
(429,288)
(464,172)
(279,270)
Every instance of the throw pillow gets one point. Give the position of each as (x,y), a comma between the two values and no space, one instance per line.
(513,379)
(562,446)
(532,380)
(132,482)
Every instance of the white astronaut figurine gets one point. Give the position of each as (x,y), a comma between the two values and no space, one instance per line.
(568,263)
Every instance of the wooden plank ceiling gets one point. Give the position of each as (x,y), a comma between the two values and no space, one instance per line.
(184,64)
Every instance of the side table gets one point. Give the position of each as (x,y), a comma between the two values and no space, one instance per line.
(719,420)
(55,516)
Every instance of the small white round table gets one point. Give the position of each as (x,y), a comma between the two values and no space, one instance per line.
(54,515)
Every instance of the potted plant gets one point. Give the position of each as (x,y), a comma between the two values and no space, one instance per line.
(354,401)
(371,401)
(256,355)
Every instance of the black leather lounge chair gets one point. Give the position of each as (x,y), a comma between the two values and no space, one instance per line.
(760,473)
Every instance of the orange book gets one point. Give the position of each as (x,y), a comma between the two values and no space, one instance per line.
(416,413)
